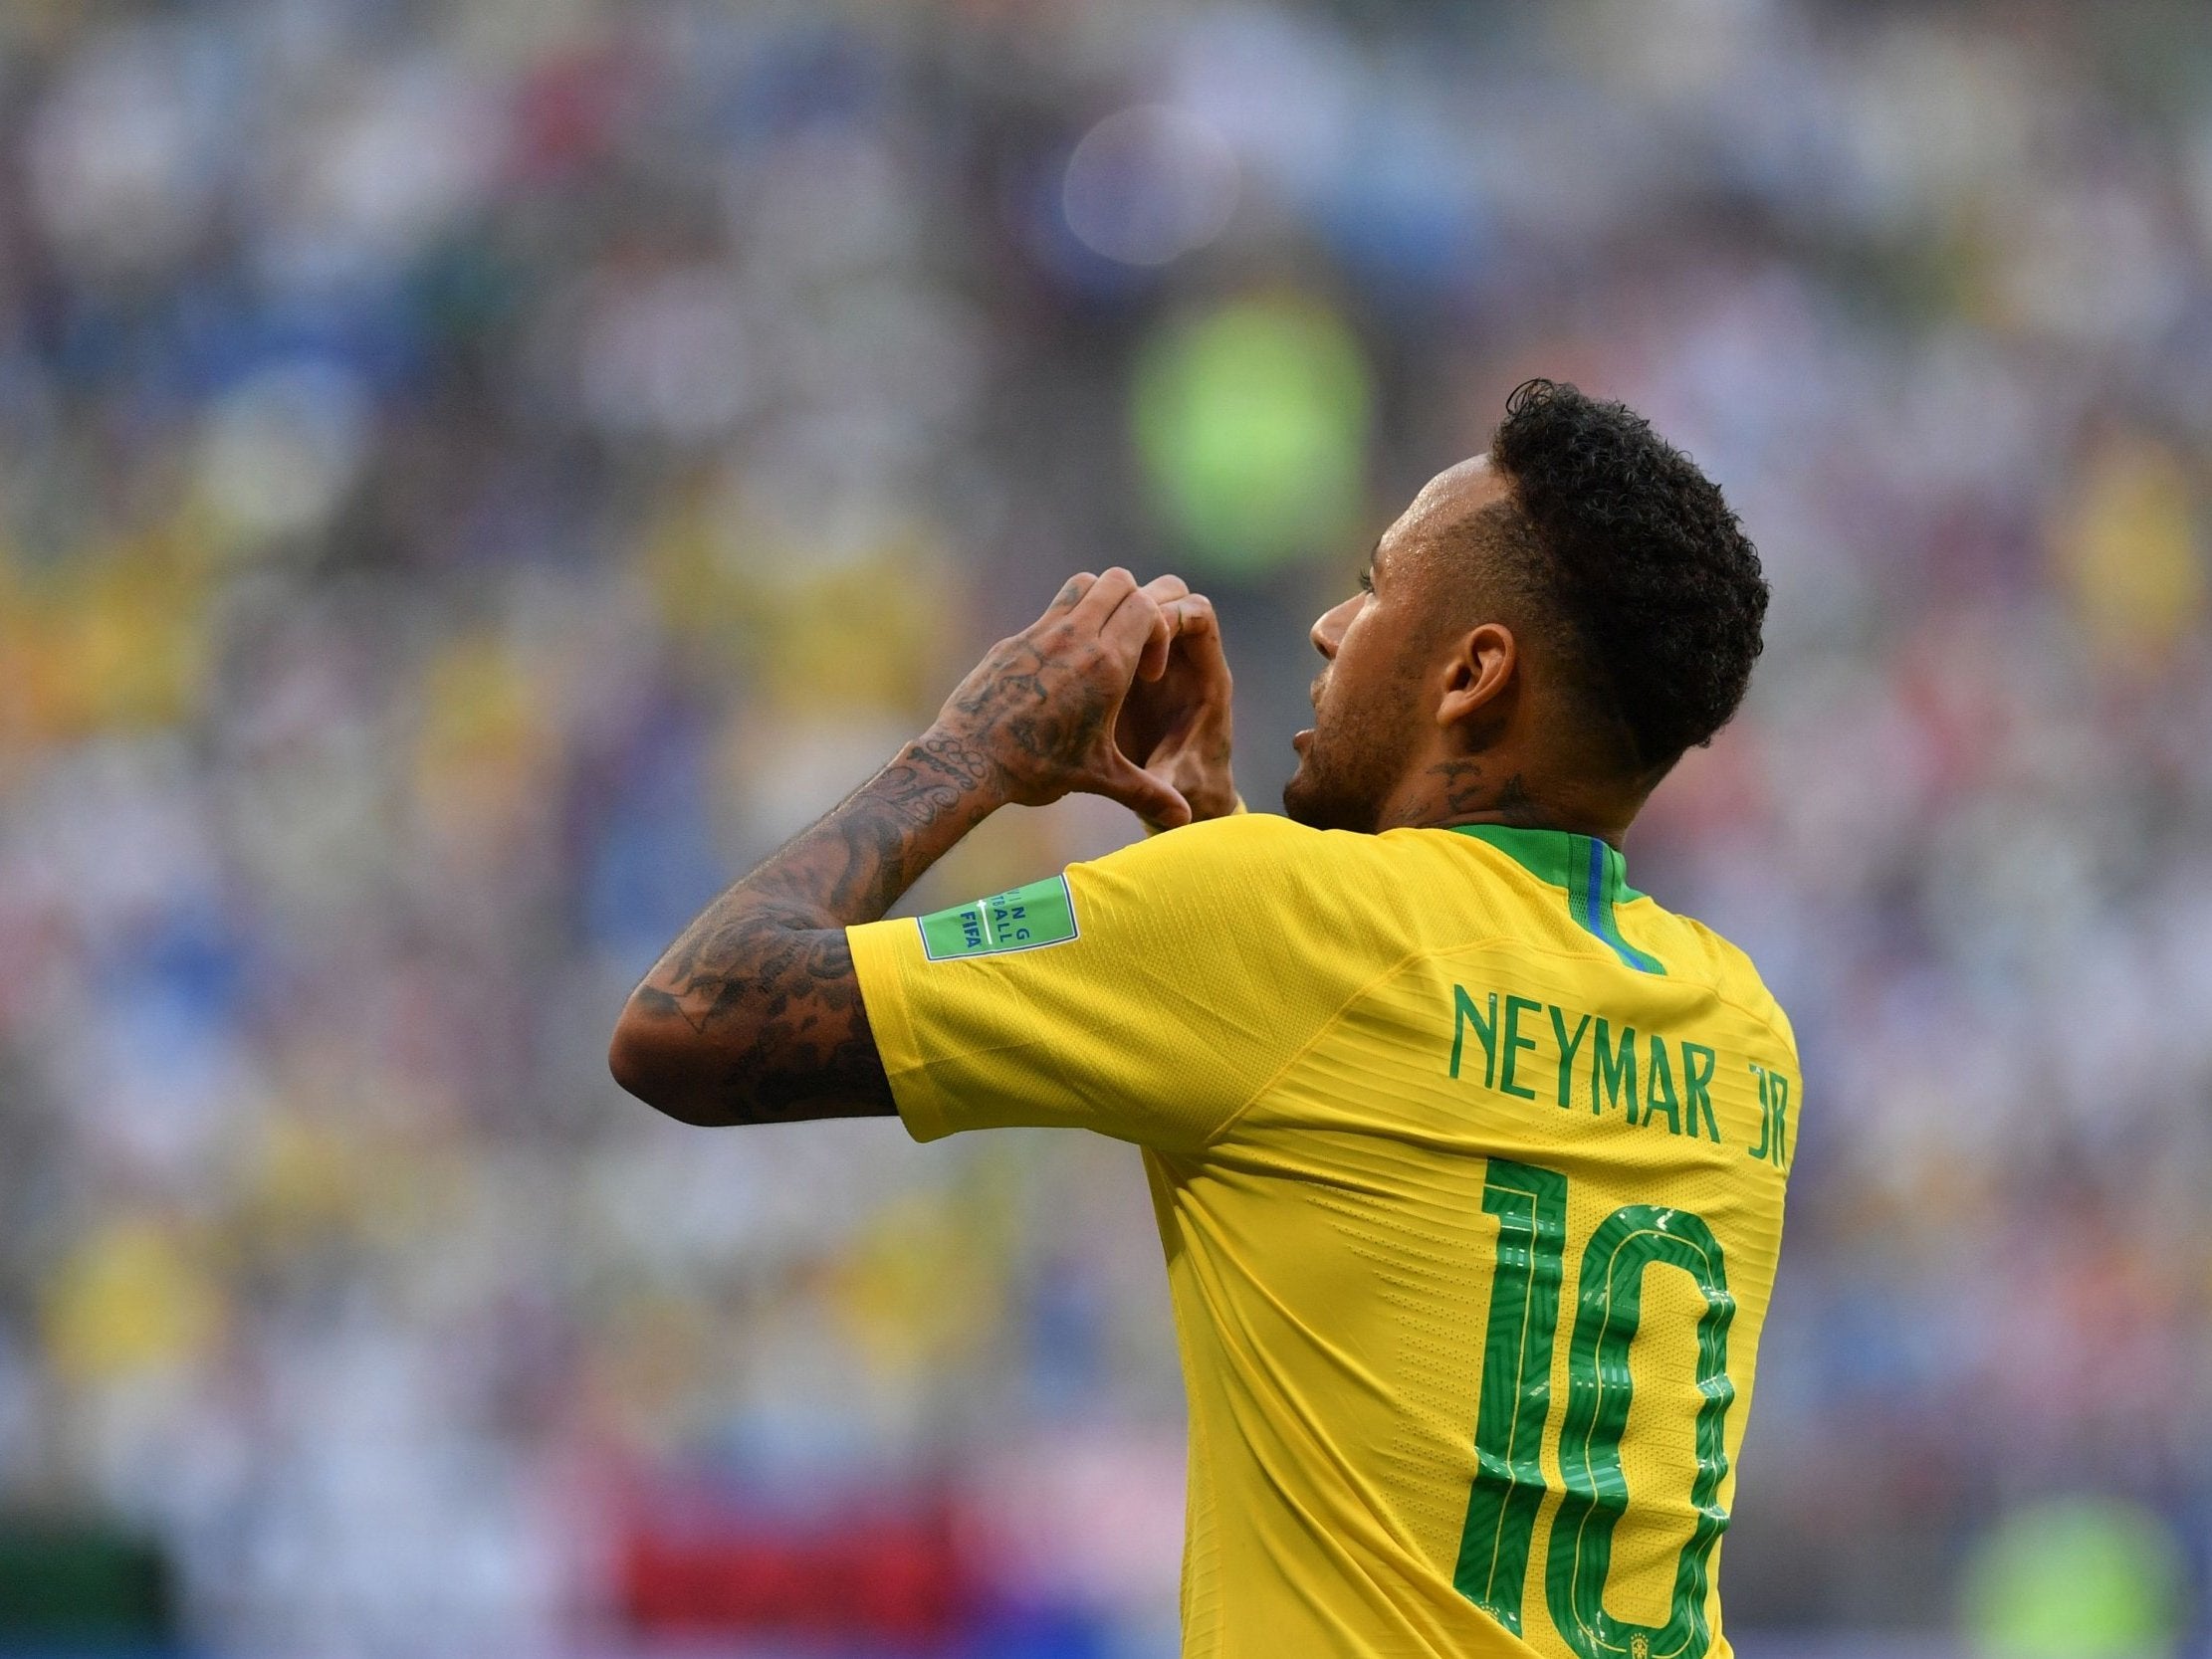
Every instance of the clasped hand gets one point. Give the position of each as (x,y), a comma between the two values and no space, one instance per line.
(1117,690)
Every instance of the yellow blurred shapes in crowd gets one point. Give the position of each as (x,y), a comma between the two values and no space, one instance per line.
(302,1178)
(2128,551)
(485,739)
(131,1299)
(819,617)
(113,638)
(916,1292)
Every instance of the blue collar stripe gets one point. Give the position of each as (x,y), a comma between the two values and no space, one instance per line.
(1605,879)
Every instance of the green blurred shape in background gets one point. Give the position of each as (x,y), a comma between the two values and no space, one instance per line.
(81,1588)
(2075,1578)
(1251,423)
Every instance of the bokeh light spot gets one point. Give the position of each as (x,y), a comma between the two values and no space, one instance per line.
(1148,185)
(1252,424)
(2075,1578)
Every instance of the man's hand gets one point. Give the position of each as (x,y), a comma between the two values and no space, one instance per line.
(1175,724)
(753,1015)
(1043,706)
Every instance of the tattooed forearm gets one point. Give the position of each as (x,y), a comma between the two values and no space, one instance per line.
(753,1015)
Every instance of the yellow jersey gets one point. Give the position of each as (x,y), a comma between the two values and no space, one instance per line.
(1468,1160)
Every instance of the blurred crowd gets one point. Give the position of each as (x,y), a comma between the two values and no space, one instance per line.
(472,476)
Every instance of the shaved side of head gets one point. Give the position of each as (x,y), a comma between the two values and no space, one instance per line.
(1557,619)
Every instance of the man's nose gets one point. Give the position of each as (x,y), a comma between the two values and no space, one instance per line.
(1327,631)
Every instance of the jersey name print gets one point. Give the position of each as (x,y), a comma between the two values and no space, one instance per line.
(1469,1162)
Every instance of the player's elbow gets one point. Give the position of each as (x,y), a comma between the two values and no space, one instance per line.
(657,1061)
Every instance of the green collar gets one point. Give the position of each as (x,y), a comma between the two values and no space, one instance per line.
(1591,873)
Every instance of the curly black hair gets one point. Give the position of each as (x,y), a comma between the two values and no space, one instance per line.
(1657,592)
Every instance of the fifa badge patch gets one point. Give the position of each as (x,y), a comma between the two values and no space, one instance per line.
(1027,918)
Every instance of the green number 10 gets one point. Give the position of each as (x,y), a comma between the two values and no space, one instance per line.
(1515,1403)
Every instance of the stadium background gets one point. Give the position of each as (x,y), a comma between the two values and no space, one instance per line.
(474,475)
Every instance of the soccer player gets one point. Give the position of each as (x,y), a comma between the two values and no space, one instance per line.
(1468,1157)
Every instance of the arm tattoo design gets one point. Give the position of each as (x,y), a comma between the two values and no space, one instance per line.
(1037,723)
(758,995)
(754,1014)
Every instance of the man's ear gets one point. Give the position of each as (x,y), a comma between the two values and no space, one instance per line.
(1478,680)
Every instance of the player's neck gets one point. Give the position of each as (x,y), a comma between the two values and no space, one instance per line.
(1446,793)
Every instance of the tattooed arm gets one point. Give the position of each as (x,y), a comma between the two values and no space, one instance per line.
(754,1015)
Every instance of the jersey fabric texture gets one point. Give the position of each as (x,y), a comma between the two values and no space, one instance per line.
(1468,1160)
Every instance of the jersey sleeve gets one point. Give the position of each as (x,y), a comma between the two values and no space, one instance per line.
(1148,995)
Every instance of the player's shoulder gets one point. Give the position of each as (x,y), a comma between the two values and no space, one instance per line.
(1253,842)
(1703,952)
(1290,861)
(1312,884)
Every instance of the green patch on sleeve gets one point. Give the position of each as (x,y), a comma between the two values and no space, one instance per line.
(1027,918)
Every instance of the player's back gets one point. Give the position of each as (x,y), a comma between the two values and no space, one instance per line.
(1468,1161)
(1470,1290)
